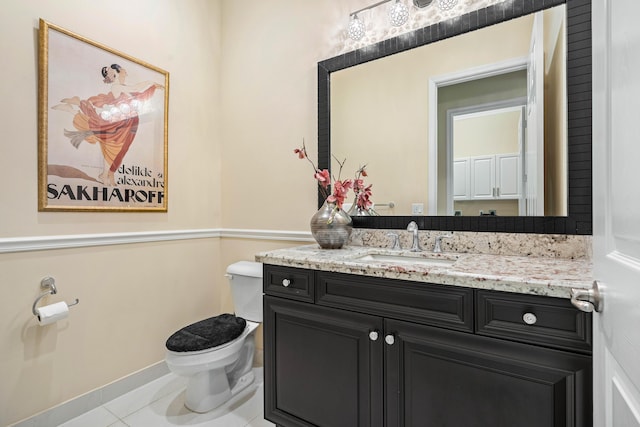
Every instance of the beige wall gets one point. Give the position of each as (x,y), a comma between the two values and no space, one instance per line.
(555,115)
(473,207)
(486,134)
(269,102)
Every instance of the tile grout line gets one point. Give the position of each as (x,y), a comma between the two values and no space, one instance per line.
(115,415)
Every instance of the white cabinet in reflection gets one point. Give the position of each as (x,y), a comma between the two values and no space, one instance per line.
(483,177)
(461,179)
(508,176)
(489,177)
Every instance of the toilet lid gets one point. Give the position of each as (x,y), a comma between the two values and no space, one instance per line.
(207,333)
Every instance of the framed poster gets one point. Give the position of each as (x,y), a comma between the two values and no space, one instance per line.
(102,127)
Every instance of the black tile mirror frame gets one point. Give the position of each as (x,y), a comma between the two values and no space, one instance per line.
(579,219)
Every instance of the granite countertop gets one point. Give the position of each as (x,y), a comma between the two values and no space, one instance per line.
(521,274)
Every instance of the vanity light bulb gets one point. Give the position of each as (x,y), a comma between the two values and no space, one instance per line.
(398,14)
(447,4)
(356,28)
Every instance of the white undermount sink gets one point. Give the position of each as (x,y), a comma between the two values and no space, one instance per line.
(406,259)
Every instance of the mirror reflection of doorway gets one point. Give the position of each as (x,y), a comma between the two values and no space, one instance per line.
(495,87)
(540,79)
(485,159)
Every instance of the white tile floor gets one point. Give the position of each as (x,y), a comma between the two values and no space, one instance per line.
(161,403)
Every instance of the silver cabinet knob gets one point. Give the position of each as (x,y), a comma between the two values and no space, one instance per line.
(286,282)
(390,339)
(529,318)
(373,335)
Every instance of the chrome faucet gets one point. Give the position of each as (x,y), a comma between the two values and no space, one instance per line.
(395,241)
(436,246)
(413,227)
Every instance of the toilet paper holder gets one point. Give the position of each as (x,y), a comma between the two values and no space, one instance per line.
(50,284)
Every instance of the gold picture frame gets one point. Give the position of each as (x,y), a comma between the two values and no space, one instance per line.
(102,127)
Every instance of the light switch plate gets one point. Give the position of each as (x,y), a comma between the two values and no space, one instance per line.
(417,208)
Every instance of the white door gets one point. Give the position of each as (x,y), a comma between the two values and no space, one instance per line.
(534,141)
(522,204)
(616,206)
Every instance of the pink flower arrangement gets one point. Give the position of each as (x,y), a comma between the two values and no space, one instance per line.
(340,187)
(363,194)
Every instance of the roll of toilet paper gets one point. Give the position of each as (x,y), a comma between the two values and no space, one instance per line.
(52,313)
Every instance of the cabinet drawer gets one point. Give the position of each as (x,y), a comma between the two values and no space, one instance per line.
(288,282)
(436,305)
(533,319)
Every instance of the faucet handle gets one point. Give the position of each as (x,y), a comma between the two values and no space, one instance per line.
(436,246)
(395,241)
(413,229)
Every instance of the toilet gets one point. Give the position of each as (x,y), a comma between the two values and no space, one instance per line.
(216,354)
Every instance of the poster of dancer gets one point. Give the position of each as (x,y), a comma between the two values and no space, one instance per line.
(102,127)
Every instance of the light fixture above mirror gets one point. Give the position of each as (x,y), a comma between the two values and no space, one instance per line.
(356,28)
(420,4)
(371,24)
(447,4)
(398,16)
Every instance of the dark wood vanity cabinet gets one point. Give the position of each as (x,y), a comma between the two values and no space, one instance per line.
(322,368)
(368,351)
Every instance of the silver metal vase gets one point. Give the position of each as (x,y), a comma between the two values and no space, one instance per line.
(331,226)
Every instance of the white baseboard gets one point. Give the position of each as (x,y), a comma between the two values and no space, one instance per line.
(94,399)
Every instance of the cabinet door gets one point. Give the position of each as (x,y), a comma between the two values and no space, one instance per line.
(322,368)
(508,176)
(461,179)
(450,379)
(483,171)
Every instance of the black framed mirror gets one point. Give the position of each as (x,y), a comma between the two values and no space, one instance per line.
(578,92)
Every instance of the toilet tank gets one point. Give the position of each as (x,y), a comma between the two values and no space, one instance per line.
(245,279)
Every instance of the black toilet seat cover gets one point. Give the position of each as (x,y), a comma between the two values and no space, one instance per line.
(207,333)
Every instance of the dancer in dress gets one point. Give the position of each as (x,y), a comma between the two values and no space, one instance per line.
(111,119)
